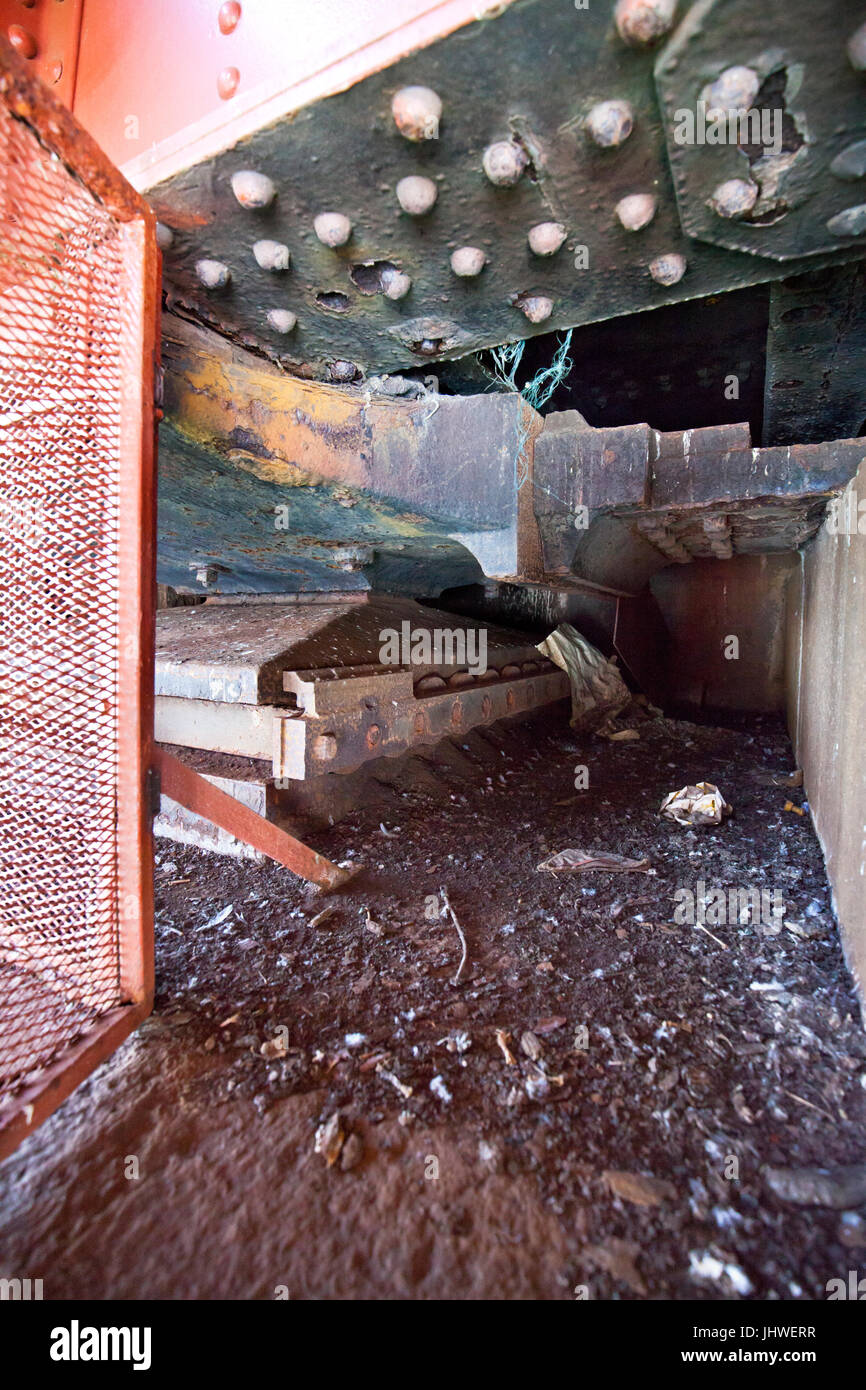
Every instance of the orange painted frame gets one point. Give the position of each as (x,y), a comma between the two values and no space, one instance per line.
(34,104)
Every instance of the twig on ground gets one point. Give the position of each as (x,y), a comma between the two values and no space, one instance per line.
(723,944)
(459,930)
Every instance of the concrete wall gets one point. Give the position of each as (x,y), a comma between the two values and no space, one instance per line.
(826,694)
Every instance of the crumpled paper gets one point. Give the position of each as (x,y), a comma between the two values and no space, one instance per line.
(598,691)
(702,804)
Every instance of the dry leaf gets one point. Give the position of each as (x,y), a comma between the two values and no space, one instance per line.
(635,1187)
(617,1258)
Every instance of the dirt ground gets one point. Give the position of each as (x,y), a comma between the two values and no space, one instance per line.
(671,1063)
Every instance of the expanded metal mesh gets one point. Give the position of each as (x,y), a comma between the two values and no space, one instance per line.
(64,309)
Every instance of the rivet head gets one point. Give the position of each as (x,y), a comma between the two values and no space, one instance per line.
(417,112)
(228,82)
(164,237)
(609,123)
(272,255)
(395,285)
(546,238)
(416,195)
(851,162)
(668,269)
(214,275)
(332,228)
(734,89)
(851,222)
(734,198)
(857,49)
(535,307)
(344,371)
(636,211)
(229,16)
(22,41)
(468,261)
(282,320)
(253,190)
(643,22)
(504,162)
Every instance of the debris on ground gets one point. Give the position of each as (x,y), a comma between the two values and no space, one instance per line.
(636,1187)
(701,804)
(329,1139)
(457,927)
(673,1068)
(617,1257)
(838,1188)
(577,861)
(327,911)
(598,691)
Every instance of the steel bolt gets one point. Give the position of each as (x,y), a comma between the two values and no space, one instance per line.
(214,275)
(851,162)
(22,41)
(610,123)
(395,285)
(734,89)
(504,162)
(468,261)
(282,320)
(332,228)
(636,211)
(228,16)
(546,238)
(272,255)
(857,49)
(668,269)
(417,112)
(851,222)
(227,83)
(253,190)
(643,22)
(734,198)
(536,307)
(416,195)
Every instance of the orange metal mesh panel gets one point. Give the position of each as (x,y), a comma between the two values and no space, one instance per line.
(71,307)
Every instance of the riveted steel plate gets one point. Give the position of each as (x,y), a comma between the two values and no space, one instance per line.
(813,108)
(530,75)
